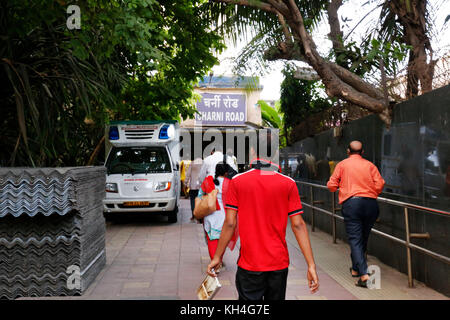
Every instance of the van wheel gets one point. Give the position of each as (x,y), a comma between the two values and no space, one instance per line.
(173,215)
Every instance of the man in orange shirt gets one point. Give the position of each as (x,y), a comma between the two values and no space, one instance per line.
(359,183)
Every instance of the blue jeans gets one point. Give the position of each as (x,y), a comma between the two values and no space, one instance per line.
(360,215)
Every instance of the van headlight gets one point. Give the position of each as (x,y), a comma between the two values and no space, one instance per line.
(111,187)
(162,186)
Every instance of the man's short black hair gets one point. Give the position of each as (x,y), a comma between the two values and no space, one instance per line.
(352,151)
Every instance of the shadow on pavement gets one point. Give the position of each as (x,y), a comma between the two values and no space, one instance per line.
(155,219)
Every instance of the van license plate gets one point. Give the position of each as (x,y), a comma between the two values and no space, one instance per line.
(136,203)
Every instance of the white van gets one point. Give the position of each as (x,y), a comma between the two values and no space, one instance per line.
(143,168)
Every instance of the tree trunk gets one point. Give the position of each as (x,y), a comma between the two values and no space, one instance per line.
(338,81)
(412,16)
(95,152)
(335,27)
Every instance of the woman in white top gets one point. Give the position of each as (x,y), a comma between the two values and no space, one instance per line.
(213,222)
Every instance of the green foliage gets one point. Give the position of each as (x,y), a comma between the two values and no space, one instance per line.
(300,99)
(269,115)
(163,90)
(133,59)
(47,90)
(240,22)
(237,21)
(273,117)
(363,58)
(385,42)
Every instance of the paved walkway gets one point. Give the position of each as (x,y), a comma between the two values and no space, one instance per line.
(148,258)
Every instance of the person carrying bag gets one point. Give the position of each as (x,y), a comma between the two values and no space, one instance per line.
(206,201)
(209,206)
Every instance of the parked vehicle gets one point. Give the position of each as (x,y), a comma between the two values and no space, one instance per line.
(143,168)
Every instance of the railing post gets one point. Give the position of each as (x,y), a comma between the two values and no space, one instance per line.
(333,218)
(408,249)
(313,228)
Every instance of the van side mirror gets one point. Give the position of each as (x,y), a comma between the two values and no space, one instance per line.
(177,166)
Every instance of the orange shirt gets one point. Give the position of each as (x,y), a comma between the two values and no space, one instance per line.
(356,176)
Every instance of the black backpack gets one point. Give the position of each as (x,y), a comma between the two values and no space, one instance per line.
(230,171)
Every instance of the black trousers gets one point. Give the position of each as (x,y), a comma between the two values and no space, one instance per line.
(192,195)
(360,215)
(261,285)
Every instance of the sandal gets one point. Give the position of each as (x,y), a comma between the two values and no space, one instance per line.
(354,275)
(362,284)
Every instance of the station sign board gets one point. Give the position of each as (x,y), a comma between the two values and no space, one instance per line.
(221,109)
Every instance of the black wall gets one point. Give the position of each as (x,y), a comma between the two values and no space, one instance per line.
(413,157)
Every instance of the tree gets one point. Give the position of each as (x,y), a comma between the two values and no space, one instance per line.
(185,45)
(299,100)
(133,59)
(289,22)
(407,21)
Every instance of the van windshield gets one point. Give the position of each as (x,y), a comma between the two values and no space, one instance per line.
(133,160)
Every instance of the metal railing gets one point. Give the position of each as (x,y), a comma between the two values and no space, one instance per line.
(406,242)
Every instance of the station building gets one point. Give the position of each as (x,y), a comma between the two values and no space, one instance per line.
(228,115)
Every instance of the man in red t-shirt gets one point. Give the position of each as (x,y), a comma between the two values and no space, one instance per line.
(264,199)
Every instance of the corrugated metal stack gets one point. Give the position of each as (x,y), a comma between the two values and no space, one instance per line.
(52,230)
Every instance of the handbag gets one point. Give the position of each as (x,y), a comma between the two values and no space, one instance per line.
(206,205)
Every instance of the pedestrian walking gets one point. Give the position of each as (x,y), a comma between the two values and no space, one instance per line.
(183,169)
(263,199)
(359,183)
(213,222)
(193,182)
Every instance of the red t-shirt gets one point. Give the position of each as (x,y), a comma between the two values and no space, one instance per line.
(263,200)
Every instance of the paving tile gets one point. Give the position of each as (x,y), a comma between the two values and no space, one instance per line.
(311,297)
(118,261)
(298,290)
(224,282)
(151,250)
(144,269)
(152,243)
(146,260)
(297,282)
(136,285)
(112,280)
(105,293)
